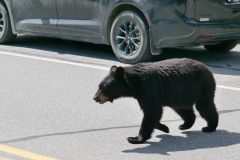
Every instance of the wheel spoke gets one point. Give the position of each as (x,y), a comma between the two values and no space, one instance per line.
(120,37)
(126,49)
(125,27)
(136,38)
(131,50)
(122,30)
(135,44)
(1,22)
(130,27)
(134,30)
(121,44)
(1,16)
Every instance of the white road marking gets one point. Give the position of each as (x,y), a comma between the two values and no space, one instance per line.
(228,87)
(54,60)
(94,66)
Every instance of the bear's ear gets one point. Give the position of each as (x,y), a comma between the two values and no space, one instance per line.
(119,72)
(113,69)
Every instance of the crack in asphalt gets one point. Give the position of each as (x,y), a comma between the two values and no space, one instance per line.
(94,130)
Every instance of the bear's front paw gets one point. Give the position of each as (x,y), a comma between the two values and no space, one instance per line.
(136,140)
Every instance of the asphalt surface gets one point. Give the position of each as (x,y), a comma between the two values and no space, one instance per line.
(47,111)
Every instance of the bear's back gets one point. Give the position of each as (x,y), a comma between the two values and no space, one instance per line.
(174,81)
(176,65)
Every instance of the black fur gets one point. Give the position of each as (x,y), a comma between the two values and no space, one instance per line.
(176,83)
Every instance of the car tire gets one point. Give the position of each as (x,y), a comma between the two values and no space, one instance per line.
(222,47)
(129,38)
(6,34)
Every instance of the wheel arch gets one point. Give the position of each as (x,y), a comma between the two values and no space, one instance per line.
(116,10)
(8,5)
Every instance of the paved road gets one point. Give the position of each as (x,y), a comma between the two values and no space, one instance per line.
(47,111)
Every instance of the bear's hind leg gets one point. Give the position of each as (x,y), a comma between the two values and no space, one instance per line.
(209,112)
(188,116)
(162,127)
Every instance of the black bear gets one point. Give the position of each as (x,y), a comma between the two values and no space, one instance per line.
(176,83)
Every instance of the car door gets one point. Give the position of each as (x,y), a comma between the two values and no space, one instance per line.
(81,17)
(172,22)
(223,11)
(35,15)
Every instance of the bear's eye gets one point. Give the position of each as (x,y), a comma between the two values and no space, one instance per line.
(104,87)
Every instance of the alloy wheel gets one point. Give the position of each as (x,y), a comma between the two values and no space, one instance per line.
(128,38)
(2,23)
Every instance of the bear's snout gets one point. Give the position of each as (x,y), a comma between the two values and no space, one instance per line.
(95,98)
(100,97)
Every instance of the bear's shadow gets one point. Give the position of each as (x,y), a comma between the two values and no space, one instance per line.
(191,141)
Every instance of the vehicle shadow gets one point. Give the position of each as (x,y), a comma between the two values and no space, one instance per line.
(191,140)
(63,47)
(219,63)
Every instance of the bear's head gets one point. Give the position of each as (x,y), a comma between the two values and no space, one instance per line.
(113,86)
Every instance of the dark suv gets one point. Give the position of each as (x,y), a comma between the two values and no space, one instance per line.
(136,29)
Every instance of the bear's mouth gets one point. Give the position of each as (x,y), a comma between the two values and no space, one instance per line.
(102,101)
(100,97)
